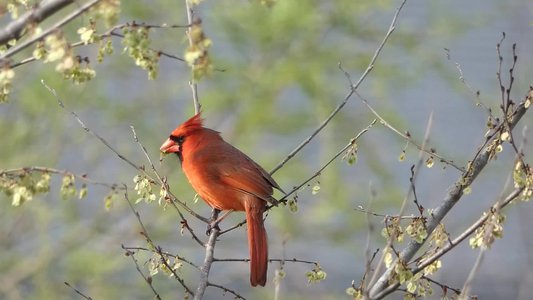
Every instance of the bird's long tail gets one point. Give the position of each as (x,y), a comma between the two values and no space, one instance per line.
(257,241)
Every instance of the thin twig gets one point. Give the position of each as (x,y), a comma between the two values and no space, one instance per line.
(353,88)
(147,279)
(192,84)
(465,291)
(365,211)
(342,151)
(370,231)
(157,248)
(294,260)
(87,129)
(415,171)
(78,291)
(83,177)
(408,138)
(463,81)
(160,252)
(164,253)
(499,71)
(444,287)
(226,290)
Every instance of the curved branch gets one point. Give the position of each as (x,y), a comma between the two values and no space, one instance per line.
(353,88)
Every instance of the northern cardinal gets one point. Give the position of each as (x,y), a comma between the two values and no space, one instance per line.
(226,179)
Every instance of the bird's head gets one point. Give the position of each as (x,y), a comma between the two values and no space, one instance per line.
(174,143)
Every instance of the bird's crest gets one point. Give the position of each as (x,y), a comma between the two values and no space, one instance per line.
(194,123)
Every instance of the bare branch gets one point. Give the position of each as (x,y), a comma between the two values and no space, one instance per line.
(226,290)
(77,291)
(465,291)
(414,171)
(372,213)
(353,88)
(87,129)
(37,14)
(381,288)
(53,28)
(157,248)
(164,253)
(208,261)
(408,138)
(444,287)
(463,80)
(317,173)
(499,71)
(495,209)
(147,279)
(294,260)
(82,177)
(370,228)
(192,84)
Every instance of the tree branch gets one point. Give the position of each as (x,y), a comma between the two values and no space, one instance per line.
(41,11)
(83,177)
(353,88)
(157,248)
(112,32)
(415,170)
(382,288)
(192,84)
(67,19)
(226,290)
(78,291)
(408,138)
(451,244)
(147,279)
(208,261)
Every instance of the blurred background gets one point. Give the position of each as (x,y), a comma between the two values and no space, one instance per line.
(280,81)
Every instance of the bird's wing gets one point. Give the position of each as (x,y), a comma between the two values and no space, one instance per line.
(240,172)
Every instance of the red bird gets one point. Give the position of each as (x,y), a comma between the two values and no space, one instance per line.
(226,179)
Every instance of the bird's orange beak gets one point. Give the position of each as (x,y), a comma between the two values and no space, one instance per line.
(169,146)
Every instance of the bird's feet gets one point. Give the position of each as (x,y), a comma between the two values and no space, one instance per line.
(211,226)
(213,222)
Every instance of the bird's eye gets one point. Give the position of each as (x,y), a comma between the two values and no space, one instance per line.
(178,139)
